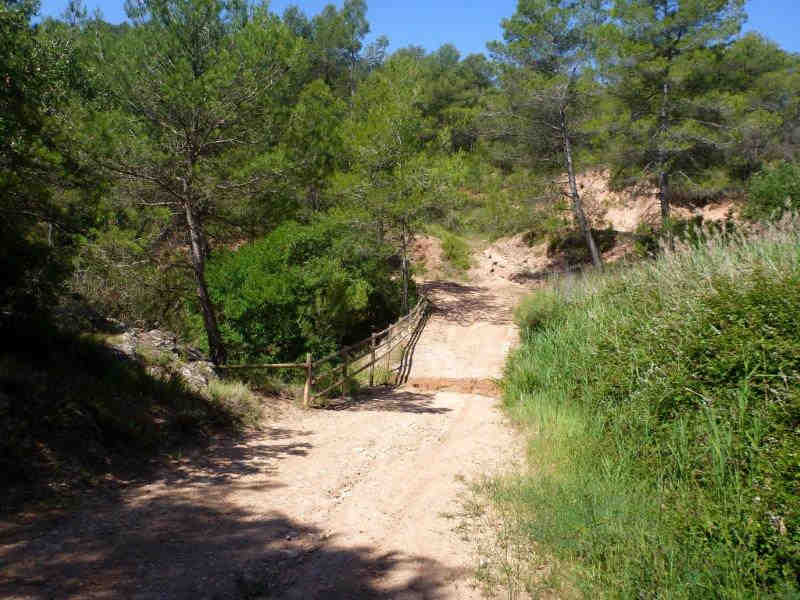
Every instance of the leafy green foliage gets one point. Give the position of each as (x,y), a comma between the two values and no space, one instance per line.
(314,139)
(302,288)
(664,401)
(489,202)
(773,191)
(45,194)
(456,250)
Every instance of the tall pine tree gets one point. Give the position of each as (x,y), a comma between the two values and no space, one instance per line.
(548,82)
(666,126)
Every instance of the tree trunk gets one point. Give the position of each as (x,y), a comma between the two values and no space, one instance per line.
(663,175)
(663,194)
(312,196)
(404,268)
(198,253)
(577,204)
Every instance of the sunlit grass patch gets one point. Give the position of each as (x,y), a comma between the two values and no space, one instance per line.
(663,409)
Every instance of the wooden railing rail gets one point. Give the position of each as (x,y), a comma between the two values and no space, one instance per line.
(377,346)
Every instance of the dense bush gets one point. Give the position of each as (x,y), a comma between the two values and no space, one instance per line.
(456,251)
(650,239)
(665,404)
(773,191)
(572,245)
(303,288)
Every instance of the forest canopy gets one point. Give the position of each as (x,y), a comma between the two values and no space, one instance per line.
(145,164)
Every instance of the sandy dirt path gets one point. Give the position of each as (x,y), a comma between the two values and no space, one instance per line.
(351,502)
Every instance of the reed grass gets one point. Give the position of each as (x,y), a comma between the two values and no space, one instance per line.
(662,405)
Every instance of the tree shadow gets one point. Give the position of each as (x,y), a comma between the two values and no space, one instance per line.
(229,458)
(76,413)
(407,357)
(466,304)
(177,547)
(389,399)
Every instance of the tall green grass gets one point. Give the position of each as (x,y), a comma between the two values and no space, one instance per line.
(663,406)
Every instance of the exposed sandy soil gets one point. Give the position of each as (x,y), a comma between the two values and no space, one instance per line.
(626,210)
(469,332)
(513,260)
(354,501)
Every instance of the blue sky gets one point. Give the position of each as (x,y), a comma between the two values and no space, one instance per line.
(469,24)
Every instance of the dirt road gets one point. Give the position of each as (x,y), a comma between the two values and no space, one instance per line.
(351,502)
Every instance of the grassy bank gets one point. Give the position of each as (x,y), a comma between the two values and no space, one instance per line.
(663,407)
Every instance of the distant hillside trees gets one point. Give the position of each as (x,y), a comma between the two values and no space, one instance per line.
(133,154)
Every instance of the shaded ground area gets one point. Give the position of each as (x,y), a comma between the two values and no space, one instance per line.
(466,304)
(347,505)
(389,400)
(348,502)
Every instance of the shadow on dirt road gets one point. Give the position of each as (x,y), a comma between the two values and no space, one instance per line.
(180,537)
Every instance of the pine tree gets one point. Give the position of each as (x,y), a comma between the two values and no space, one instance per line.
(666,125)
(548,81)
(197,89)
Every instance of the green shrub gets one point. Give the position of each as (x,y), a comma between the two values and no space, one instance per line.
(773,191)
(572,244)
(303,288)
(536,310)
(649,239)
(456,252)
(493,203)
(664,405)
(236,399)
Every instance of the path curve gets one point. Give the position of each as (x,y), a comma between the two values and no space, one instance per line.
(351,502)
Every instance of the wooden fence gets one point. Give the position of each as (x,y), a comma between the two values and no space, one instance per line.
(338,367)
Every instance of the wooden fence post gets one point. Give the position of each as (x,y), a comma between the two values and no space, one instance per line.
(309,377)
(344,375)
(372,361)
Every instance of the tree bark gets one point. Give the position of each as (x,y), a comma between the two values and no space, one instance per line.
(313,197)
(577,204)
(404,268)
(198,254)
(663,194)
(663,175)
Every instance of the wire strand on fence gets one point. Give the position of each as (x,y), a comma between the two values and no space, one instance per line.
(388,339)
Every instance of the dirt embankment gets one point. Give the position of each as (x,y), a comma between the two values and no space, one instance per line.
(628,209)
(527,259)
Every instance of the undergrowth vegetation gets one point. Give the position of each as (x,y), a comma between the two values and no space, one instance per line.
(302,288)
(773,190)
(456,251)
(663,406)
